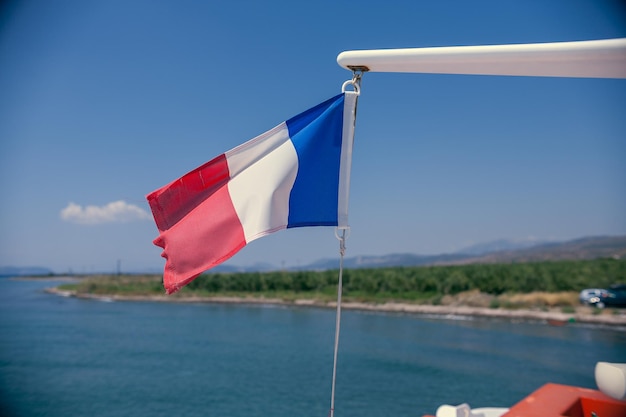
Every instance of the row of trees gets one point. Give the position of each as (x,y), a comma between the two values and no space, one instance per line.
(408,282)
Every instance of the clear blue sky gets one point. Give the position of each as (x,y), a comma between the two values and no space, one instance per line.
(105,101)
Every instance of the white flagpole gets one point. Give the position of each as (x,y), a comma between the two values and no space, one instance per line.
(586,59)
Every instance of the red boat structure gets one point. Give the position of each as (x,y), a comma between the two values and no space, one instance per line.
(556,400)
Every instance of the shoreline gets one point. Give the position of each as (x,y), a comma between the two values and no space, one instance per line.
(581,315)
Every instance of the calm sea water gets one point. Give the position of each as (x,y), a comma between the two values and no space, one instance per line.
(70,357)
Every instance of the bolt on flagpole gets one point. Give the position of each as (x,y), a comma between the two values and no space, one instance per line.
(343,230)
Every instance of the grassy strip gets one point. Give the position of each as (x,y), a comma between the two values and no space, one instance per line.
(541,284)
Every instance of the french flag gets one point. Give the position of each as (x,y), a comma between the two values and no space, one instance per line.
(294,175)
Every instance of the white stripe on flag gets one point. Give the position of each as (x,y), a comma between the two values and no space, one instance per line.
(349,117)
(263,173)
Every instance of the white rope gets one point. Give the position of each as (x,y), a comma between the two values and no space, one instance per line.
(342,251)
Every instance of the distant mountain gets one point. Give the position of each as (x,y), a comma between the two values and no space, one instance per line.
(578,249)
(257,267)
(396,259)
(15,271)
(501,245)
(501,251)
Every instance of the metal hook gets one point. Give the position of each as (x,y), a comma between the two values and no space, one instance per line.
(355,82)
(345,232)
(357,75)
(354,85)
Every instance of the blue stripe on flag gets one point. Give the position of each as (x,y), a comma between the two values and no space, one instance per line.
(316,135)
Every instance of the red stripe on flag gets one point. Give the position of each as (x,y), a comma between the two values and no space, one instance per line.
(206,237)
(174,201)
(199,227)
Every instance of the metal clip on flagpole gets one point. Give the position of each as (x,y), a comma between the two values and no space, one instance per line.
(342,233)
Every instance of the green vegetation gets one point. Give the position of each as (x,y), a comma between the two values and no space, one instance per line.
(551,283)
(117,284)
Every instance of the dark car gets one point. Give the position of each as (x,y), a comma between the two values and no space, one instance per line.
(614,296)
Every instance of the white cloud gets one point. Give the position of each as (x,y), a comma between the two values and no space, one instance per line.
(114,212)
